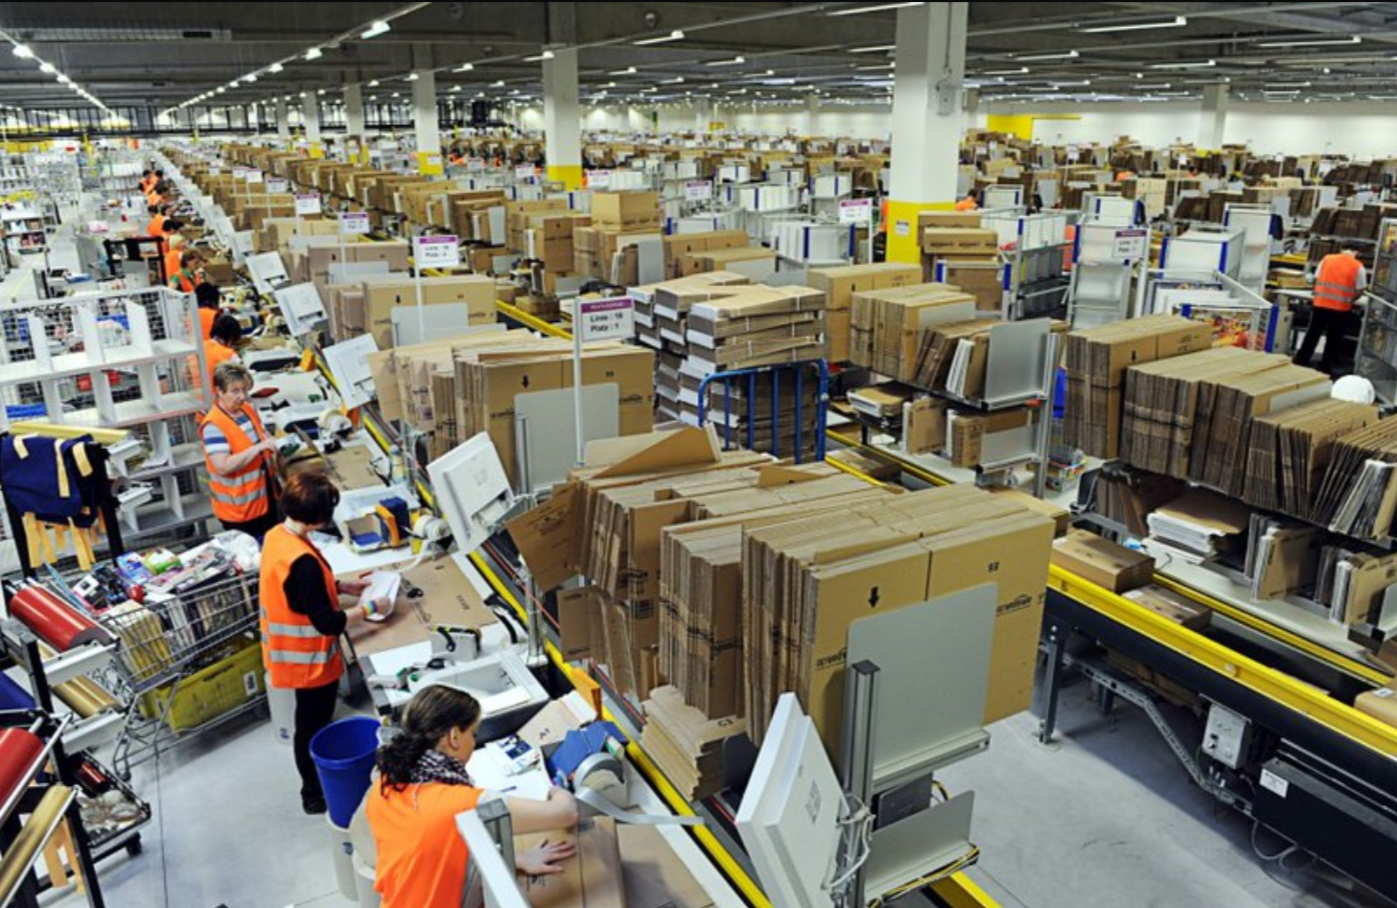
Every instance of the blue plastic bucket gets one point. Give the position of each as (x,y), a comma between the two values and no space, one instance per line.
(344,754)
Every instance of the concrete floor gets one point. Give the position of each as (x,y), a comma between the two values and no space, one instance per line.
(1104,816)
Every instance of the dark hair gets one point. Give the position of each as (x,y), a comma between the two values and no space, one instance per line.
(172,225)
(153,209)
(189,256)
(433,712)
(310,498)
(208,296)
(226,330)
(160,173)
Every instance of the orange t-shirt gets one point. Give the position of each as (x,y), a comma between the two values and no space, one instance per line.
(206,319)
(966,205)
(156,227)
(421,857)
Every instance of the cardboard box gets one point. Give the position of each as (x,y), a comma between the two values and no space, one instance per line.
(626,210)
(959,241)
(1102,562)
(1172,606)
(924,428)
(839,284)
(1381,704)
(381,295)
(592,879)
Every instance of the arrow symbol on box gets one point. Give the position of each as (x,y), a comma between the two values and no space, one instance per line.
(526,381)
(873,598)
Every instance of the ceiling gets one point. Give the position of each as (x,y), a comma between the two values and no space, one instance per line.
(159,56)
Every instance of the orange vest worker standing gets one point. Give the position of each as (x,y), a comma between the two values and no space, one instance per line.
(1340,279)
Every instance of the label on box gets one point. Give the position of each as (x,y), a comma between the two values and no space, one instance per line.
(308,204)
(276,184)
(599,179)
(356,222)
(606,319)
(698,191)
(856,211)
(437,251)
(1274,783)
(525,172)
(215,170)
(240,173)
(1130,245)
(902,228)
(254,177)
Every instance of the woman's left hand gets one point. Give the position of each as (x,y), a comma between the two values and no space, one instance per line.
(544,859)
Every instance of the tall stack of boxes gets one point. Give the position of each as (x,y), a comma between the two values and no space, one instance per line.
(617,218)
(839,286)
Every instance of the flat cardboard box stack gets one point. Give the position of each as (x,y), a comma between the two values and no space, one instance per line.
(953,357)
(1226,409)
(549,239)
(680,246)
(313,262)
(367,306)
(957,245)
(1359,492)
(685,744)
(1289,451)
(1161,405)
(839,285)
(626,211)
(608,253)
(803,587)
(742,257)
(517,219)
(757,326)
(886,325)
(1096,362)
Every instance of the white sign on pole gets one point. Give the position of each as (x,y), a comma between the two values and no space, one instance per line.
(240,173)
(598,179)
(308,204)
(437,252)
(606,319)
(278,185)
(698,191)
(474,165)
(354,222)
(855,211)
(254,177)
(1130,245)
(524,172)
(215,170)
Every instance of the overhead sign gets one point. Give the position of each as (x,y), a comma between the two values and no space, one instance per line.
(308,204)
(355,222)
(1130,245)
(606,319)
(698,191)
(437,252)
(855,211)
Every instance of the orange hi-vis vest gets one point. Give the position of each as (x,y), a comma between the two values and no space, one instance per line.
(184,282)
(422,860)
(156,227)
(206,319)
(1336,283)
(295,654)
(215,355)
(245,495)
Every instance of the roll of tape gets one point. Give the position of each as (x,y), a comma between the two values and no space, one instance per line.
(53,620)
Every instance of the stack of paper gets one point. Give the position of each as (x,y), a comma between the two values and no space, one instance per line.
(685,744)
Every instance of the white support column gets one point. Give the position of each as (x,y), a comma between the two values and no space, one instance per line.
(927,118)
(812,113)
(354,121)
(1212,123)
(310,118)
(562,119)
(425,122)
(283,119)
(703,115)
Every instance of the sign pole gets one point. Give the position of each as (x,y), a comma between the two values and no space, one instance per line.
(579,327)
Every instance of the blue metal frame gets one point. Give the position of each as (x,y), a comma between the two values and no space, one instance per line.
(750,376)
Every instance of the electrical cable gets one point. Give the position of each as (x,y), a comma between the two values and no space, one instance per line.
(1271,858)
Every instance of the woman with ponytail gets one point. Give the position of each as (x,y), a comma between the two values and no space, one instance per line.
(423,785)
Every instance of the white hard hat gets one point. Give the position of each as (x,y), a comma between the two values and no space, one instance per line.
(1355,389)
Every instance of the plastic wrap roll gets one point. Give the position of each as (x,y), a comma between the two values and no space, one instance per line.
(54,621)
(12,696)
(20,855)
(85,697)
(18,749)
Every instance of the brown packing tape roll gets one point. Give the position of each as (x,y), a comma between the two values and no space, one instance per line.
(85,697)
(21,855)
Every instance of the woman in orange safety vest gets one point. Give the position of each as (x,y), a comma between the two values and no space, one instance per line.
(187,278)
(220,347)
(302,620)
(174,244)
(421,859)
(1338,282)
(210,301)
(157,221)
(237,452)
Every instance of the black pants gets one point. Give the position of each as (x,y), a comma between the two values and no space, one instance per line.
(1331,324)
(257,527)
(315,709)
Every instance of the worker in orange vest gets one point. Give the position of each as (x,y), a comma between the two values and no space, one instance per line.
(157,220)
(968,203)
(210,301)
(174,244)
(238,454)
(189,276)
(147,181)
(302,619)
(221,347)
(1338,282)
(421,859)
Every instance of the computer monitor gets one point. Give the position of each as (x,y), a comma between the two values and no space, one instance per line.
(789,818)
(472,491)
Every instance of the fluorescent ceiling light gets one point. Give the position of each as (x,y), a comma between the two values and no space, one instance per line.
(376,29)
(1067,55)
(677,80)
(219,90)
(314,53)
(411,77)
(873,50)
(499,84)
(250,78)
(23,52)
(373,84)
(854,11)
(455,88)
(628,71)
(1199,65)
(675,35)
(275,68)
(47,68)
(733,62)
(1312,42)
(871,68)
(1135,26)
(546,55)
(464,68)
(1005,72)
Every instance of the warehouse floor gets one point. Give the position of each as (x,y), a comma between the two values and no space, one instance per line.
(1103,816)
